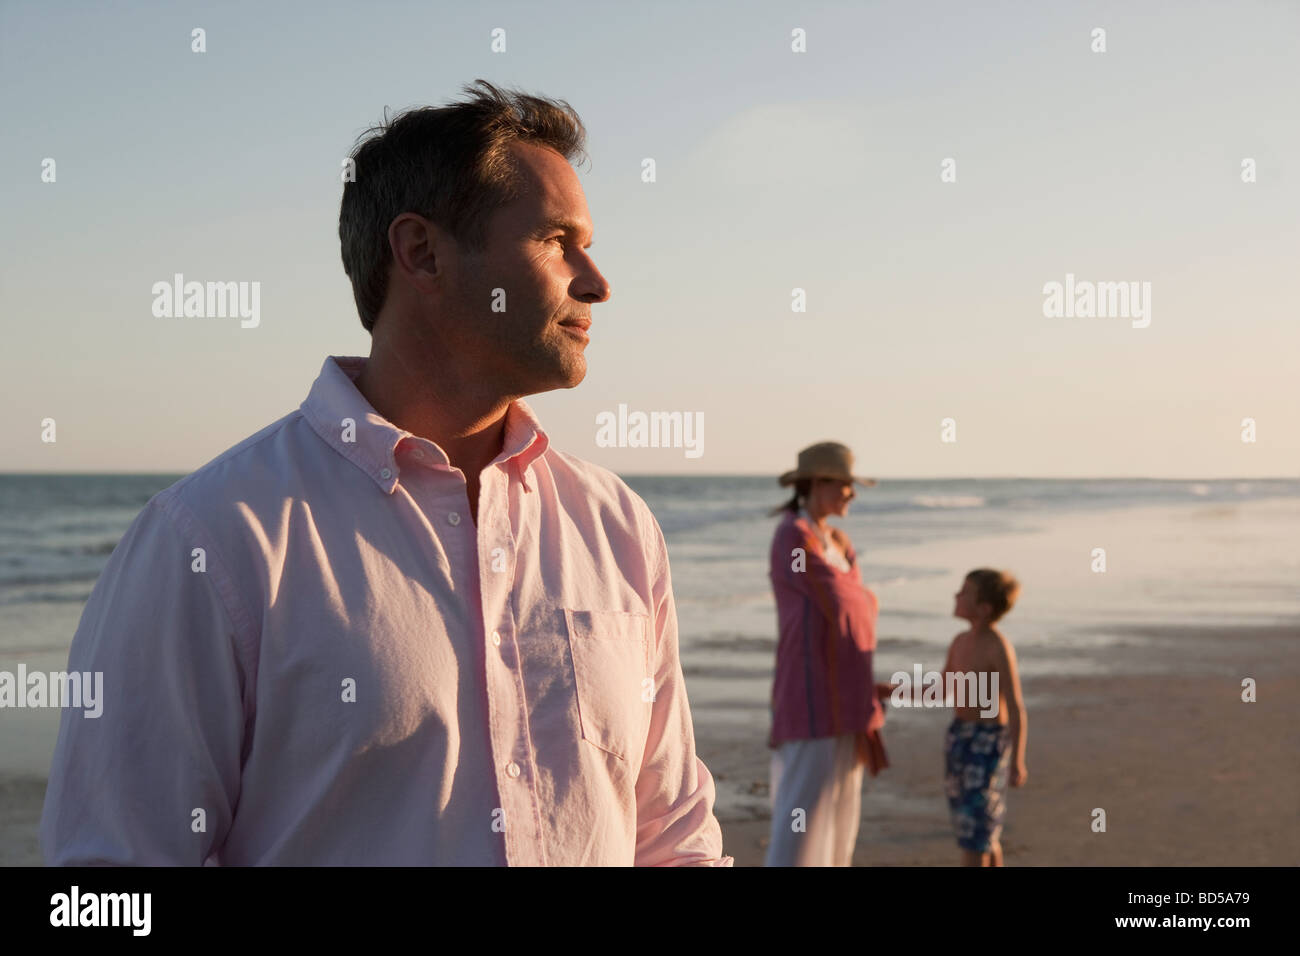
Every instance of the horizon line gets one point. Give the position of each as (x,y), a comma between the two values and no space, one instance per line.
(743,474)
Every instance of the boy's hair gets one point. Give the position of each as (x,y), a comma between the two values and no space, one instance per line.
(450,164)
(997,589)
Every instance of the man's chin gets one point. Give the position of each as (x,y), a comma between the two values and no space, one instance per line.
(576,376)
(569,375)
(574,368)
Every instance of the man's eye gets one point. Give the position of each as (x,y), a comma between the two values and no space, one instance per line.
(553,238)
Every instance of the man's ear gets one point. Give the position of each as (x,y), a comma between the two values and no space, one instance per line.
(414,242)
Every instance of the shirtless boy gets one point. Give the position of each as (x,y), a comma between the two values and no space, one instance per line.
(980,749)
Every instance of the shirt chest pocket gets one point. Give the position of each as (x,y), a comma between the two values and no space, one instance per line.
(613,677)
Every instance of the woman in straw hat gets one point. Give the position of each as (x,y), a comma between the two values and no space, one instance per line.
(827,709)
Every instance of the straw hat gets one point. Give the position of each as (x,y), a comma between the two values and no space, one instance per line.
(828,459)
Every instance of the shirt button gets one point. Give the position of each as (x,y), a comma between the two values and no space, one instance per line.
(385,473)
(454,518)
(496,638)
(512,768)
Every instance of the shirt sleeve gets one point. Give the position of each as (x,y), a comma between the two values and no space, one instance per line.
(674,791)
(154,779)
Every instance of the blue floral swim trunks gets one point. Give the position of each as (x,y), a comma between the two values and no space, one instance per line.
(978,757)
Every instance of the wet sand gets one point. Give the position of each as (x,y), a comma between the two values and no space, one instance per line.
(1187,773)
(20,814)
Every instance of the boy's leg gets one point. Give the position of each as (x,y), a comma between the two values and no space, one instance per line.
(976,780)
(997,802)
(957,758)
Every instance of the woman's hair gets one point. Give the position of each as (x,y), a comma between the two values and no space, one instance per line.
(802,488)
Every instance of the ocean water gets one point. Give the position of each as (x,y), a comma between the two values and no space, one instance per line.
(1178,553)
(1198,553)
(57,532)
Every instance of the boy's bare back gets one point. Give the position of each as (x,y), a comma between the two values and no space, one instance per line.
(984,651)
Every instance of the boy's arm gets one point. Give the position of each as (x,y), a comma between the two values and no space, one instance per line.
(947,667)
(914,691)
(1017,716)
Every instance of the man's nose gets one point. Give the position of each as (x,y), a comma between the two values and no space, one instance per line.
(591,286)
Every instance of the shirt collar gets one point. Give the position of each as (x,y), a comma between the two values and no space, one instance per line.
(370,441)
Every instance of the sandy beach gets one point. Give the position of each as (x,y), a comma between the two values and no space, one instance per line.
(20,814)
(1187,773)
(1132,681)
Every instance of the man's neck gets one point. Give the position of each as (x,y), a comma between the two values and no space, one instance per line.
(457,411)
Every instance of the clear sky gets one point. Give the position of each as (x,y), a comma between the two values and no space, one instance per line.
(776,170)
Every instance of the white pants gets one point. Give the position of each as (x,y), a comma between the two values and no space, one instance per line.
(823,779)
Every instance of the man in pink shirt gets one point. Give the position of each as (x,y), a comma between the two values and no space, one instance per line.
(396,627)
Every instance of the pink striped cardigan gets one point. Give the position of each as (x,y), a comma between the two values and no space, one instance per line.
(824,686)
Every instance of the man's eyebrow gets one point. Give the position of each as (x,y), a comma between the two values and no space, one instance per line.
(568,225)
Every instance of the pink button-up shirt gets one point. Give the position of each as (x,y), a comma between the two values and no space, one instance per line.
(313,655)
(824,685)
